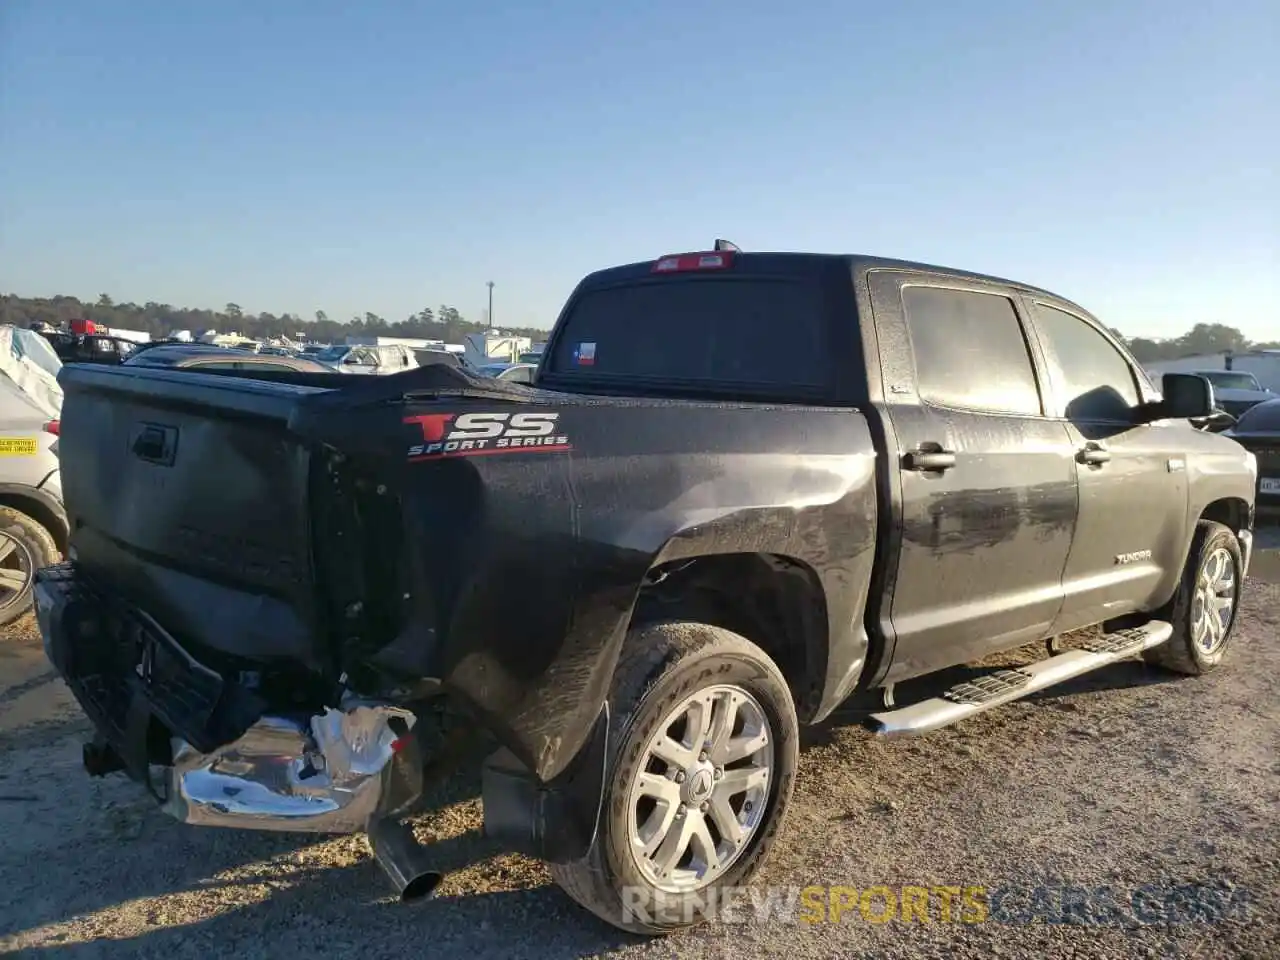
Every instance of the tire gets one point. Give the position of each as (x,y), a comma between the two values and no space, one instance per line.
(1213,564)
(663,666)
(25,547)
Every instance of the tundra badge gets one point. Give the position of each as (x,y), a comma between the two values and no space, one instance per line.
(1133,557)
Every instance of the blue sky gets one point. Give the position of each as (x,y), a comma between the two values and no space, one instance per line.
(295,156)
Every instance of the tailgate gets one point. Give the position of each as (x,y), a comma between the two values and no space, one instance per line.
(187,493)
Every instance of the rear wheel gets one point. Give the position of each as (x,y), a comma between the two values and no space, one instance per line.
(25,547)
(702,760)
(1203,611)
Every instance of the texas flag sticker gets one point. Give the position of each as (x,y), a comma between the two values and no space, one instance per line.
(584,354)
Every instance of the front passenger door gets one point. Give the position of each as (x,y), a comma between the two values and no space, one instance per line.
(1131,526)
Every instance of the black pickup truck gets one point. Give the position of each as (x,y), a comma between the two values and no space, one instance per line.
(743,489)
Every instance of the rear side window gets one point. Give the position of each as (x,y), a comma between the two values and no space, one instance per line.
(970,351)
(754,332)
(1092,378)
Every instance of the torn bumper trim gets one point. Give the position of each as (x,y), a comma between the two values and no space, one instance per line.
(555,821)
(227,764)
(286,776)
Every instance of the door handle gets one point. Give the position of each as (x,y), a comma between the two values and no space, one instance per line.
(1093,454)
(150,444)
(929,458)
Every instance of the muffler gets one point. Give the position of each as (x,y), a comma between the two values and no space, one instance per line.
(403,858)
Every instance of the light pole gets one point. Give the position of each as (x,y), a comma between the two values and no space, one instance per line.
(490,286)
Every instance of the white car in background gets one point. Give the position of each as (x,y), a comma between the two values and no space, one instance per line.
(368,359)
(515,372)
(33,522)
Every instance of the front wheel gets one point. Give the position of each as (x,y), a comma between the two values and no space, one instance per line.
(702,761)
(1203,611)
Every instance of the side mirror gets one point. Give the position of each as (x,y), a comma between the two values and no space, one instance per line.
(1187,396)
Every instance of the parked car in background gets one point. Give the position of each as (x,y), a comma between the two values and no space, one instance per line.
(1235,390)
(1258,431)
(89,347)
(515,372)
(381,359)
(208,358)
(33,523)
(426,357)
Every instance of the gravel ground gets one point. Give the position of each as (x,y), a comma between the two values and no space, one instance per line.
(1126,778)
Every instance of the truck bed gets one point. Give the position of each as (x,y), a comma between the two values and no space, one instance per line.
(339,524)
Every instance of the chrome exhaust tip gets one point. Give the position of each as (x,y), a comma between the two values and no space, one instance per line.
(403,859)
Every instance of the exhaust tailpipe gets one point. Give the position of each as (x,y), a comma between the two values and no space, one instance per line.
(404,859)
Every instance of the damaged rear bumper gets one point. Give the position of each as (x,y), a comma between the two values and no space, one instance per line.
(212,755)
(279,776)
(202,745)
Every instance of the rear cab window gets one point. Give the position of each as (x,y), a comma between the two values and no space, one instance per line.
(762,332)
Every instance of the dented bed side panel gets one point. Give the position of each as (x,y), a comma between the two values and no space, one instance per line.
(424,527)
(531,557)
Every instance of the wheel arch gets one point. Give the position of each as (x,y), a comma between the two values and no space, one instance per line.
(1232,512)
(775,601)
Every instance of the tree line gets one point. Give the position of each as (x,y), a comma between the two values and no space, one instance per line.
(1201,339)
(161,320)
(442,323)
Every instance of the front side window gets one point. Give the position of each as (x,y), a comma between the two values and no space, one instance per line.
(970,351)
(1092,378)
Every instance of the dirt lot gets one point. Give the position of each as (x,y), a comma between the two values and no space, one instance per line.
(1126,778)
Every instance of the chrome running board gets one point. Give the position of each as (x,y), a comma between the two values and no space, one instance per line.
(992,689)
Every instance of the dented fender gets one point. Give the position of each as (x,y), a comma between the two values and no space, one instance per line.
(524,561)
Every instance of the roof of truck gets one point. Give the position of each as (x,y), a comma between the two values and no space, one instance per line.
(768,261)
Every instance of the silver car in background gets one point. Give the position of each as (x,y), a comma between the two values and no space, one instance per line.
(514,372)
(33,522)
(379,359)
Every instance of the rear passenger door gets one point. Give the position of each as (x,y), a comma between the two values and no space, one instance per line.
(1132,473)
(983,478)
